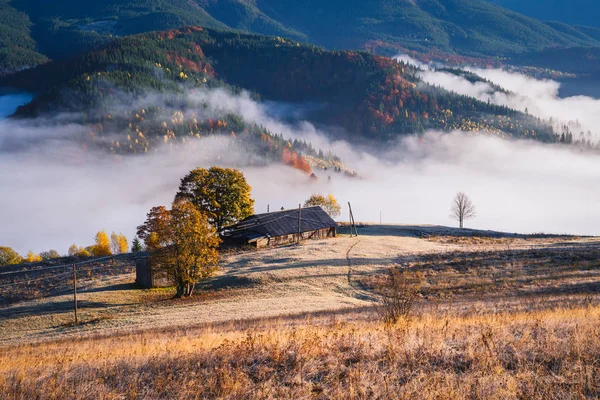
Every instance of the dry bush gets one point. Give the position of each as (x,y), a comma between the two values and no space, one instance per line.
(398,290)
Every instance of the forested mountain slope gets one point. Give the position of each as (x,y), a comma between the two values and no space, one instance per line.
(574,12)
(62,28)
(369,96)
(473,27)
(17,48)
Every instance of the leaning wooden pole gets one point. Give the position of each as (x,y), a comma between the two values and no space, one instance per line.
(352,221)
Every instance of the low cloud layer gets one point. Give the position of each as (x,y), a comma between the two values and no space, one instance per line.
(54,195)
(538,97)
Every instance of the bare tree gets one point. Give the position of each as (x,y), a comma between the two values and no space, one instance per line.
(462,209)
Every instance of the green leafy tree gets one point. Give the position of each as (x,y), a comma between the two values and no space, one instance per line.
(9,257)
(136,245)
(329,204)
(191,253)
(222,194)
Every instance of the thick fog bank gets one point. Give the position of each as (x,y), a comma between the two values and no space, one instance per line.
(51,201)
(517,186)
(540,98)
(55,193)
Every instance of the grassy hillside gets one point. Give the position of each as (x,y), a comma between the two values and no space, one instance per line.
(534,354)
(470,27)
(369,96)
(498,317)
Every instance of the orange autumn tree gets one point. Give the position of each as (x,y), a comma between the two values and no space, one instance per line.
(293,159)
(156,230)
(190,253)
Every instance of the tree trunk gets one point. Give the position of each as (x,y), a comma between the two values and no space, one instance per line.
(180,289)
(185,289)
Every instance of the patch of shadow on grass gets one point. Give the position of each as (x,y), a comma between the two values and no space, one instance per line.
(567,288)
(82,323)
(227,282)
(118,286)
(279,260)
(57,307)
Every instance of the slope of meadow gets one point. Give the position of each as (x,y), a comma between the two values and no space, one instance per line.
(537,354)
(499,316)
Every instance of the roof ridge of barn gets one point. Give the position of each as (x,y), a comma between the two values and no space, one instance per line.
(289,210)
(283,222)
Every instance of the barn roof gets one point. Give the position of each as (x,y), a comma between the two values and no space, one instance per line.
(280,223)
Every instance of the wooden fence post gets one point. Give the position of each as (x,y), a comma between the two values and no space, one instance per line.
(299,222)
(75,291)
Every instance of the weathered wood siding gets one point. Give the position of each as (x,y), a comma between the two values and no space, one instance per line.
(287,239)
(150,277)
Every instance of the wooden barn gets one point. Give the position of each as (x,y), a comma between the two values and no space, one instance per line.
(148,276)
(279,228)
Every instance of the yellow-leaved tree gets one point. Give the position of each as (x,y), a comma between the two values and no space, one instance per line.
(329,204)
(101,246)
(156,230)
(76,251)
(9,257)
(191,252)
(118,243)
(32,257)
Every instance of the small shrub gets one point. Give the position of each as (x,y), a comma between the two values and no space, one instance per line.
(398,290)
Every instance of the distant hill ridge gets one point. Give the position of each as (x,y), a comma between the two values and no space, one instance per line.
(574,12)
(31,31)
(371,97)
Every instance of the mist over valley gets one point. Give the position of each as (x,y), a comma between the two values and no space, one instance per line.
(363,199)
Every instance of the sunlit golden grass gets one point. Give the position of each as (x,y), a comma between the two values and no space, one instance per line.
(536,354)
(490,321)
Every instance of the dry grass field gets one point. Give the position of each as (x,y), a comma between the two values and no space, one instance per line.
(497,316)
